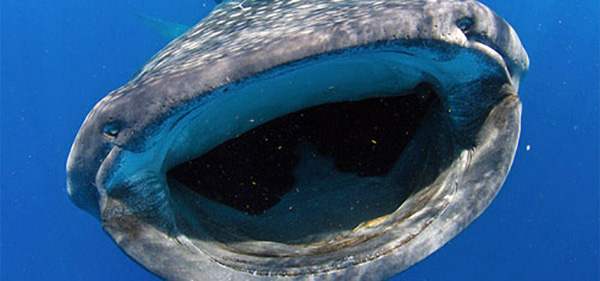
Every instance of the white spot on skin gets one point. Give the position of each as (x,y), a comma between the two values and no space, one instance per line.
(242,7)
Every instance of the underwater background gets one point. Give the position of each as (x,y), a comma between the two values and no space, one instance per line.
(61,57)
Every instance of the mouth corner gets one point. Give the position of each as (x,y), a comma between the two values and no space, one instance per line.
(82,194)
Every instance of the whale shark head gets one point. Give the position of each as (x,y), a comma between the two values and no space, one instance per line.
(305,140)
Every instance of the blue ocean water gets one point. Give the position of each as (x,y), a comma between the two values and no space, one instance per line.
(58,58)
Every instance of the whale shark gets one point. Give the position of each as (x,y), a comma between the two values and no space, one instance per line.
(305,139)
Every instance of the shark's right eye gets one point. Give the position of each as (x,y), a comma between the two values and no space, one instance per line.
(465,23)
(111,129)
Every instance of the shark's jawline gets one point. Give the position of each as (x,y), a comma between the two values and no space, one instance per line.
(330,140)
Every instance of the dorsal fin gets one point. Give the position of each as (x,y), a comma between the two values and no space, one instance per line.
(169,30)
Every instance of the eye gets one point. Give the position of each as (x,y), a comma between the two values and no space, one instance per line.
(465,23)
(111,129)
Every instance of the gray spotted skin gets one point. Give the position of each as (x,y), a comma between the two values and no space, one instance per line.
(242,42)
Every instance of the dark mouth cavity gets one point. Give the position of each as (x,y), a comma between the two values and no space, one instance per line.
(253,171)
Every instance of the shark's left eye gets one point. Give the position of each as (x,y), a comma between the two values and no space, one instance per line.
(465,23)
(111,129)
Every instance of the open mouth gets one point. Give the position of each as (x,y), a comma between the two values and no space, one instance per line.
(253,171)
(319,170)
(319,165)
(330,163)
